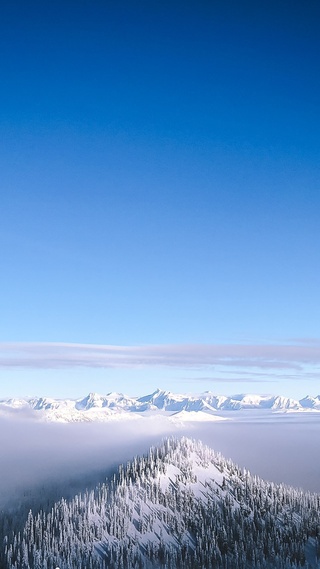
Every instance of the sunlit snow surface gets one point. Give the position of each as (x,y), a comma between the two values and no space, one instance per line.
(181,501)
(44,440)
(182,408)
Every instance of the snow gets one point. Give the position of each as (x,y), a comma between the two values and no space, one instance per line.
(179,408)
(181,493)
(195,416)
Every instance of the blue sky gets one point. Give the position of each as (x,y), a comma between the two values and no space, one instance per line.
(159,187)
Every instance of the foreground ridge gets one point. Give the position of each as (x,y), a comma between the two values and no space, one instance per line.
(181,506)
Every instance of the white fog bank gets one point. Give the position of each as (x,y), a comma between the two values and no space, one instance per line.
(280,448)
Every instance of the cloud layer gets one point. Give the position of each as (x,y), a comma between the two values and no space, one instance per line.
(287,356)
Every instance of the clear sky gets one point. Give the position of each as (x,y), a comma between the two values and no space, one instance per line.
(159,193)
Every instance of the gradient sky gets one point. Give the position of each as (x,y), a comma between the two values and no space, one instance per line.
(160,187)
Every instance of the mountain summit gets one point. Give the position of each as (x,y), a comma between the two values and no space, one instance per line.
(117,406)
(182,506)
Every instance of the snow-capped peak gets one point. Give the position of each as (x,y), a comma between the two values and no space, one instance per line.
(114,405)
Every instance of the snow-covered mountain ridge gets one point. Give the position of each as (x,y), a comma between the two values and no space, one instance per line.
(116,406)
(182,506)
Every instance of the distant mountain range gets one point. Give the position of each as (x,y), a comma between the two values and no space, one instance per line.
(116,406)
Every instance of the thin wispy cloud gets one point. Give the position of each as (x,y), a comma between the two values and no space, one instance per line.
(230,379)
(65,356)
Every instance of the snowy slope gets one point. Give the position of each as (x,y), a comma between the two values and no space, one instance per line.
(309,402)
(182,506)
(182,417)
(117,406)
